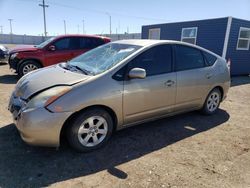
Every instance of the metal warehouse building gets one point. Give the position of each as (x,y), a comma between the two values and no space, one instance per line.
(228,37)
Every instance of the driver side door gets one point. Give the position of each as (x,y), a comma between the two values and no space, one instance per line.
(64,51)
(154,95)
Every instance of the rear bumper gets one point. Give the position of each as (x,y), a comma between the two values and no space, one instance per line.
(40,127)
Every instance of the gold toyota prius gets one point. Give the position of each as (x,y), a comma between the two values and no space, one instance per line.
(114,86)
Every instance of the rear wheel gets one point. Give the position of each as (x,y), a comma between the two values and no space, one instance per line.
(212,102)
(90,130)
(28,66)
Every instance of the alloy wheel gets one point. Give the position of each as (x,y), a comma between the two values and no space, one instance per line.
(93,131)
(28,68)
(213,101)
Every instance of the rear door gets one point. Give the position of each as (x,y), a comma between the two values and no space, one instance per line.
(155,95)
(193,77)
(86,44)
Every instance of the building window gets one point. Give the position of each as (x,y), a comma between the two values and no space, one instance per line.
(154,34)
(189,35)
(243,39)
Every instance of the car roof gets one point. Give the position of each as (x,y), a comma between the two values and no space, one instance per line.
(82,35)
(149,42)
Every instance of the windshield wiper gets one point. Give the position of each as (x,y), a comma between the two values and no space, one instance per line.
(79,68)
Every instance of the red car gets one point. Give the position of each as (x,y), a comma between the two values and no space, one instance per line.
(54,50)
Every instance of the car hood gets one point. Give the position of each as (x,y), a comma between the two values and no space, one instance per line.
(44,78)
(28,48)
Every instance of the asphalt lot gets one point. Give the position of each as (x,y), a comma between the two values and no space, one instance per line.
(188,150)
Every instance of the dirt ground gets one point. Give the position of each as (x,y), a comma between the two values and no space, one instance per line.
(188,150)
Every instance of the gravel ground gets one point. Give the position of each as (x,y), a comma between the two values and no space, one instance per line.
(188,150)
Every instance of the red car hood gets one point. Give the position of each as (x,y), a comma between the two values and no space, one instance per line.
(23,48)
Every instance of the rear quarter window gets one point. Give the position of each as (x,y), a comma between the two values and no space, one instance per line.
(209,58)
(89,43)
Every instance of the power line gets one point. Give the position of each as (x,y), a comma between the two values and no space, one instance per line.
(44,16)
(110,12)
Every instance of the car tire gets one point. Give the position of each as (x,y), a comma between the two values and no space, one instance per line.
(212,102)
(90,130)
(28,66)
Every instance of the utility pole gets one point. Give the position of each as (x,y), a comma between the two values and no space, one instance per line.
(44,16)
(78,29)
(10,20)
(110,26)
(1,29)
(83,28)
(64,22)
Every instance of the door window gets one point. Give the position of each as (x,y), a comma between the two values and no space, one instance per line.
(62,44)
(188,58)
(74,43)
(156,60)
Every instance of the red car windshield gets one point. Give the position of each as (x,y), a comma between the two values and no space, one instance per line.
(45,42)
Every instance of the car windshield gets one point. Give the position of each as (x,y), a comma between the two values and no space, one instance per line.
(103,58)
(45,42)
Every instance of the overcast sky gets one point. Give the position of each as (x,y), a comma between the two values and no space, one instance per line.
(126,14)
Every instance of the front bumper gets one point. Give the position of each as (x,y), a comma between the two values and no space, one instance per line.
(39,126)
(13,63)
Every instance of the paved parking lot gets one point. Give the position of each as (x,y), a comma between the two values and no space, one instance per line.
(188,150)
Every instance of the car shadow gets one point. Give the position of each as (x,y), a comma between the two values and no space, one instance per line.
(2,63)
(240,80)
(26,166)
(8,79)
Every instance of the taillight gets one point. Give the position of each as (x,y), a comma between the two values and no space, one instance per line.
(229,63)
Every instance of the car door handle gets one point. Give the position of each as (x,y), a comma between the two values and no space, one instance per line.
(169,83)
(209,75)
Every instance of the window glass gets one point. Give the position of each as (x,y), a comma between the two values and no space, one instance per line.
(103,57)
(154,33)
(189,35)
(189,40)
(189,32)
(74,43)
(188,58)
(156,60)
(243,44)
(62,44)
(244,39)
(43,44)
(89,43)
(245,34)
(210,59)
(97,42)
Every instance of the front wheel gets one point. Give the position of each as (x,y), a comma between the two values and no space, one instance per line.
(212,102)
(28,66)
(90,130)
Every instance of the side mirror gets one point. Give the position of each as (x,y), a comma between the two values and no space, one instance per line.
(137,73)
(52,48)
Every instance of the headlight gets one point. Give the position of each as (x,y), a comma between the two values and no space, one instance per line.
(13,56)
(48,96)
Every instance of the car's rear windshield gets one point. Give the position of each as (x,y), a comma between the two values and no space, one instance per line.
(103,58)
